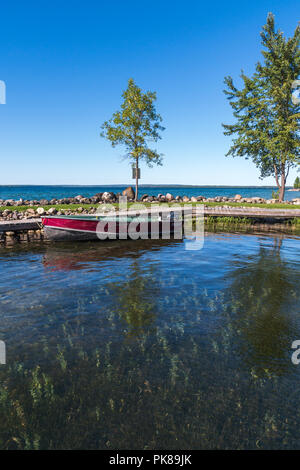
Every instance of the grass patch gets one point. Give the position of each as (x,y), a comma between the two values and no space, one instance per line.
(228,221)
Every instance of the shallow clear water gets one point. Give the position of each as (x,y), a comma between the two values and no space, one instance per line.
(143,344)
(50,192)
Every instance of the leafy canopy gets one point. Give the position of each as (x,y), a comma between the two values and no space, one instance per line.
(266,126)
(135,125)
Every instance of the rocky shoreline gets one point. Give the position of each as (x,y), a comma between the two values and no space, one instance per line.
(38,208)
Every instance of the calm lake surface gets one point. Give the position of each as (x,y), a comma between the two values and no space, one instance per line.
(59,192)
(146,345)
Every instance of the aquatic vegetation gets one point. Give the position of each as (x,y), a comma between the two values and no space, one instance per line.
(154,347)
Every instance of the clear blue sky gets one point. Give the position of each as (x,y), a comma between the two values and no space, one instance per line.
(65,65)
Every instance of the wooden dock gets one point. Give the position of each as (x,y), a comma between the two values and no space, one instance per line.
(25,230)
(18,225)
(252,213)
(216,211)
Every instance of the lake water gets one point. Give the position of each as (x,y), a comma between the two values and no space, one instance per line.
(146,345)
(50,192)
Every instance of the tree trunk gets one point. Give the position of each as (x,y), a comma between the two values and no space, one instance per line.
(281,184)
(136,178)
(282,188)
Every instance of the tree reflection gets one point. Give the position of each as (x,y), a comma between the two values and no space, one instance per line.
(264,293)
(135,300)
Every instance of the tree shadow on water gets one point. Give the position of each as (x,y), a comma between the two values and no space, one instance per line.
(135,300)
(263,302)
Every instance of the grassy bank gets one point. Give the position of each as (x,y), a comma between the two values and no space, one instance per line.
(244,224)
(74,207)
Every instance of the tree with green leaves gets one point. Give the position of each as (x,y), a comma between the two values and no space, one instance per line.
(266,127)
(297,183)
(135,126)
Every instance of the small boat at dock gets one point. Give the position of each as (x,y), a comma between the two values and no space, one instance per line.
(120,225)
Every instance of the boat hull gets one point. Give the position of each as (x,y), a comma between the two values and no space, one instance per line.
(68,229)
(55,234)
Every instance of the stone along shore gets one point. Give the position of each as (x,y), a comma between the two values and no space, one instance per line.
(37,208)
(20,220)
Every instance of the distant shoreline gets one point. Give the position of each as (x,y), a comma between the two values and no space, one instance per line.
(140,186)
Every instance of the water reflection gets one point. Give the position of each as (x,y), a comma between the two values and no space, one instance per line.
(135,299)
(146,345)
(62,257)
(264,292)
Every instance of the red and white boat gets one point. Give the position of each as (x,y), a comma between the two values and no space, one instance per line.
(122,225)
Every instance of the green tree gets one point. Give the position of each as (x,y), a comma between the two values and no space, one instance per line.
(267,121)
(135,126)
(297,183)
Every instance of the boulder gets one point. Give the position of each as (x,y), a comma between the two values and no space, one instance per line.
(6,212)
(52,211)
(169,197)
(129,193)
(237,197)
(95,199)
(40,211)
(30,211)
(185,199)
(258,200)
(108,197)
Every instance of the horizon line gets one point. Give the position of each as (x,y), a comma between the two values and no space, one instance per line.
(145,185)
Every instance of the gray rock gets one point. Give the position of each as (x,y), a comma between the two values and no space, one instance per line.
(52,211)
(40,211)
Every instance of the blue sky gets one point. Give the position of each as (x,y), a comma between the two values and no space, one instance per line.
(65,65)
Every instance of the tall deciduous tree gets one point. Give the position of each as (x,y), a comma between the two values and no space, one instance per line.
(267,121)
(135,126)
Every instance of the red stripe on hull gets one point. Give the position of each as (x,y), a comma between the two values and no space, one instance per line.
(71,224)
